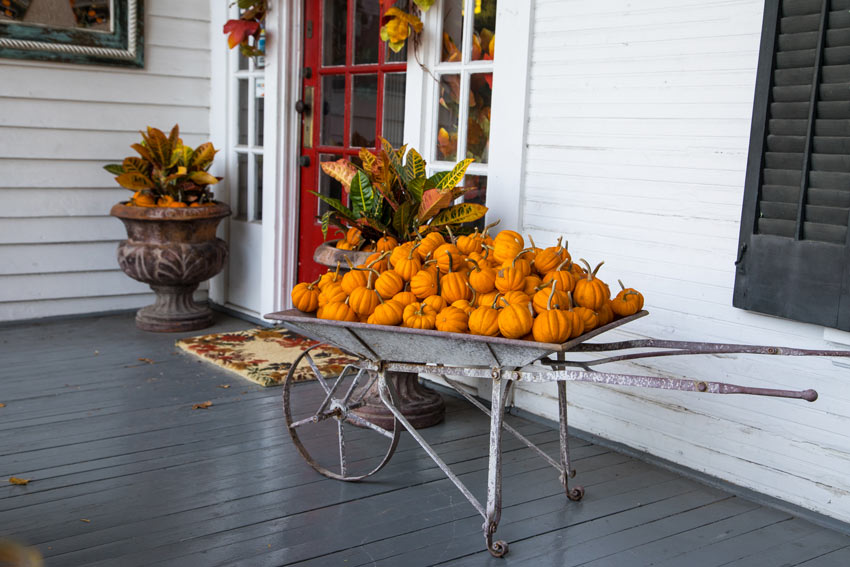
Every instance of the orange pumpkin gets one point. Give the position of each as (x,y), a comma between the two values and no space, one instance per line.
(419,316)
(353,279)
(405,298)
(482,279)
(305,296)
(448,258)
(429,243)
(388,284)
(453,286)
(532,284)
(465,305)
(378,261)
(330,293)
(515,321)
(565,279)
(507,245)
(549,298)
(591,292)
(337,311)
(364,299)
(551,325)
(605,314)
(330,277)
(628,301)
(517,297)
(487,298)
(509,279)
(387,313)
(407,265)
(485,320)
(437,302)
(452,320)
(354,238)
(470,243)
(550,258)
(385,243)
(424,284)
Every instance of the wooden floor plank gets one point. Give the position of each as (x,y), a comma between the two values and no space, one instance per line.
(113,440)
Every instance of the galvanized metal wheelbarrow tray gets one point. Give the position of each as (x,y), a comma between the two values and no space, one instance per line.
(384,349)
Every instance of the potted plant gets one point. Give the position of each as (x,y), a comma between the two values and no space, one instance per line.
(390,195)
(171,221)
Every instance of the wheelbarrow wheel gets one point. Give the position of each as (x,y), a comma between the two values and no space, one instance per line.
(328,435)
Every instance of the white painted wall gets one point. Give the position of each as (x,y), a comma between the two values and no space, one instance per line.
(59,124)
(637,143)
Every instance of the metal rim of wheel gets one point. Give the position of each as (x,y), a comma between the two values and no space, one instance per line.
(337,408)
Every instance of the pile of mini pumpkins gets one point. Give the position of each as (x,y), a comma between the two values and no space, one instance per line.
(476,284)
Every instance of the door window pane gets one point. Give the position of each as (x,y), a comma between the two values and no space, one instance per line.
(259,111)
(393,119)
(452,30)
(391,56)
(258,195)
(333,110)
(367,27)
(241,187)
(478,194)
(478,123)
(447,117)
(364,108)
(242,105)
(484,30)
(334,32)
(328,185)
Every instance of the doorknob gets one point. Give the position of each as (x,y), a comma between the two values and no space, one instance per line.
(301,107)
(304,161)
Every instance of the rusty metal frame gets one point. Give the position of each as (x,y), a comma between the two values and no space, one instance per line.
(545,369)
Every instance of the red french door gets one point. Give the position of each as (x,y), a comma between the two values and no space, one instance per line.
(352,95)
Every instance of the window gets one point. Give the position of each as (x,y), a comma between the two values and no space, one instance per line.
(794,249)
(247,148)
(463,76)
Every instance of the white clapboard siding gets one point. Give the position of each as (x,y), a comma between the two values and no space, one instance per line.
(637,140)
(59,124)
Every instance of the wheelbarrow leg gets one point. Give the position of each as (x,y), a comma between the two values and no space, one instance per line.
(494,474)
(567,473)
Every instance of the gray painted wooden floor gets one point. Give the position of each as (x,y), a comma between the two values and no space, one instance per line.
(124,472)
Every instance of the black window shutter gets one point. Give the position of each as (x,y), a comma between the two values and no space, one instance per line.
(794,255)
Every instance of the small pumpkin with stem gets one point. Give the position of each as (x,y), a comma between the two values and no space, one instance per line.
(387,313)
(438,302)
(485,319)
(378,261)
(385,243)
(353,279)
(338,311)
(419,316)
(429,243)
(364,299)
(591,292)
(482,277)
(330,277)
(627,302)
(510,278)
(447,257)
(551,325)
(589,318)
(549,259)
(515,321)
(407,264)
(517,297)
(405,298)
(452,320)
(532,285)
(576,321)
(330,293)
(424,284)
(388,283)
(506,245)
(453,285)
(305,296)
(565,279)
(547,296)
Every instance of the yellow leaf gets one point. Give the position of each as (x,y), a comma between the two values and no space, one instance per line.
(225,386)
(464,212)
(2,405)
(19,481)
(202,405)
(86,520)
(203,178)
(134,181)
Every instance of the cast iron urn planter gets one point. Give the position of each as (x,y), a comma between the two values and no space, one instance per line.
(172,250)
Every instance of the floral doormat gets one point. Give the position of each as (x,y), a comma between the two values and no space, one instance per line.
(265,355)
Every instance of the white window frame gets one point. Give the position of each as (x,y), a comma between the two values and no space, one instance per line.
(509,108)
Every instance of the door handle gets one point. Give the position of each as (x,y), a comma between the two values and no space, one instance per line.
(304,161)
(304,108)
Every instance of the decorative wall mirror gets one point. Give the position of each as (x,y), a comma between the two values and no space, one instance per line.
(96,32)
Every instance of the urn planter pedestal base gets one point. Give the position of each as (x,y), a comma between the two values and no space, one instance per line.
(421,406)
(172,250)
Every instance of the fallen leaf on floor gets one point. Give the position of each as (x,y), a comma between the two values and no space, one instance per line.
(225,386)
(19,481)
(202,405)
(4,405)
(148,360)
(97,352)
(85,520)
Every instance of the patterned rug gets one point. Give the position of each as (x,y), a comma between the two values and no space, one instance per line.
(265,355)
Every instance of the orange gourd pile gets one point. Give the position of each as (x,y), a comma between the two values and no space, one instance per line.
(475,284)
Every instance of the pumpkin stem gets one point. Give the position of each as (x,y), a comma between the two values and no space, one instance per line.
(596,269)
(378,259)
(451,236)
(591,273)
(505,301)
(451,263)
(621,285)
(412,249)
(570,298)
(560,239)
(474,263)
(551,295)
(562,264)
(533,245)
(336,273)
(491,225)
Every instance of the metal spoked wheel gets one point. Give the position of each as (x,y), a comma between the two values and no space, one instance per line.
(336,442)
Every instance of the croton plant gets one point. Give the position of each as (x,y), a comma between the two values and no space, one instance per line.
(167,173)
(248,26)
(391,195)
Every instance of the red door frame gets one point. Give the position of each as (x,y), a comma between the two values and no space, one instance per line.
(310,232)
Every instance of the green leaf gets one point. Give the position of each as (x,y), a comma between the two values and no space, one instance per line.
(403,218)
(395,161)
(326,221)
(456,175)
(414,167)
(361,193)
(435,180)
(416,187)
(464,212)
(336,204)
(134,181)
(114,168)
(136,164)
